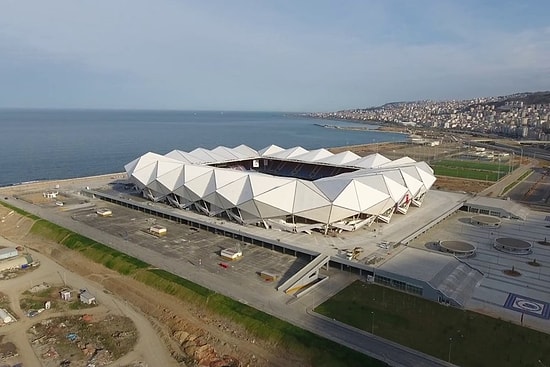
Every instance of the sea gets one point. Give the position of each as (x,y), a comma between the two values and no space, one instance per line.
(57,144)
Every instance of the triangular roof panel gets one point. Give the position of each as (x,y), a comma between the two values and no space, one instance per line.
(341,158)
(313,155)
(182,157)
(172,179)
(370,161)
(272,149)
(165,166)
(269,211)
(188,195)
(250,207)
(218,200)
(281,197)
(237,191)
(226,176)
(146,174)
(368,196)
(289,153)
(338,213)
(348,198)
(207,156)
(321,214)
(263,183)
(380,207)
(331,187)
(308,196)
(227,153)
(398,162)
(191,172)
(246,151)
(202,185)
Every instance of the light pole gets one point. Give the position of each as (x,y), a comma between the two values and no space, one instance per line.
(450,345)
(372,323)
(521,157)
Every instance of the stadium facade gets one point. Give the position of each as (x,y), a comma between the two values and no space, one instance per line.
(291,189)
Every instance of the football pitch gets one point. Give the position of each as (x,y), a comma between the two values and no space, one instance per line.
(475,170)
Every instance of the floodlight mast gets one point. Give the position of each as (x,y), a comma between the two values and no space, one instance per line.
(450,345)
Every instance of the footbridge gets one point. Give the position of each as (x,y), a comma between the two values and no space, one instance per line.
(307,277)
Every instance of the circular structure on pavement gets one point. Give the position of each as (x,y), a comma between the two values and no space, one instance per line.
(457,248)
(485,220)
(529,306)
(513,246)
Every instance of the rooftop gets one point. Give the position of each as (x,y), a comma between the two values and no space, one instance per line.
(418,264)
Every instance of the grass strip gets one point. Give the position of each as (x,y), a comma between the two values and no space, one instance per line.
(475,165)
(20,211)
(516,182)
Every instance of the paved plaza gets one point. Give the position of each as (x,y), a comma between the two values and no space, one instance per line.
(522,299)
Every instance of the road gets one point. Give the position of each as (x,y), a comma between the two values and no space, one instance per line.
(280,305)
(497,189)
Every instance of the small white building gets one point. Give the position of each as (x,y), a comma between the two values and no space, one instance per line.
(104,212)
(158,230)
(5,317)
(50,194)
(86,297)
(7,253)
(231,253)
(65,294)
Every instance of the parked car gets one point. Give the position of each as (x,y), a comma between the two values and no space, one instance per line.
(32,313)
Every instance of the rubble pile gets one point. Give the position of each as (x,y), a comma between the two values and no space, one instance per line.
(78,340)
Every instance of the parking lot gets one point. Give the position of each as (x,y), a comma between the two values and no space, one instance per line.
(535,189)
(192,246)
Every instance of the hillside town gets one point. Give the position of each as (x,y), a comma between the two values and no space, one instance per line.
(521,116)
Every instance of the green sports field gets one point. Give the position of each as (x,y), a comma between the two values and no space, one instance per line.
(476,170)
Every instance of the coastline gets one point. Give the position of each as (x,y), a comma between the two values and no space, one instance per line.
(82,148)
(378,128)
(63,183)
(106,178)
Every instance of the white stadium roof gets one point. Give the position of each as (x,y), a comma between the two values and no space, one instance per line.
(372,187)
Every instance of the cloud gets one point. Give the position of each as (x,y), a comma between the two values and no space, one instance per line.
(311,55)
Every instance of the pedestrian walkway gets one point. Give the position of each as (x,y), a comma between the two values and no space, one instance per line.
(497,189)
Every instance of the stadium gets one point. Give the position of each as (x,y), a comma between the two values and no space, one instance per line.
(293,189)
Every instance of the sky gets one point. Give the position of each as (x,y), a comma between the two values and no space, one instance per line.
(285,55)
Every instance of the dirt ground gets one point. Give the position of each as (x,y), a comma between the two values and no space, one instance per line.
(192,335)
(460,184)
(7,350)
(82,340)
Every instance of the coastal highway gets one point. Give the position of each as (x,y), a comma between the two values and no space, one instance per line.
(295,311)
(519,151)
